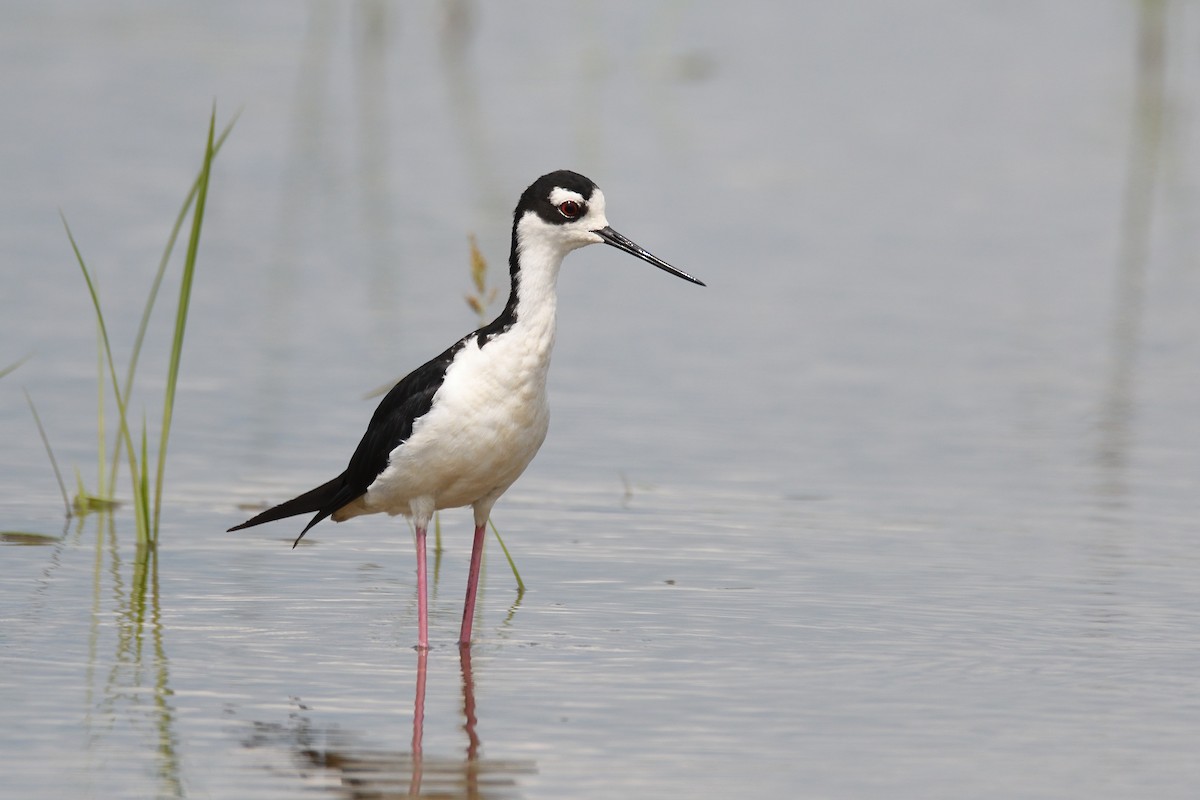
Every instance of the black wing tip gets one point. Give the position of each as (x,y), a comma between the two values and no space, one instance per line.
(257,519)
(250,523)
(320,515)
(325,499)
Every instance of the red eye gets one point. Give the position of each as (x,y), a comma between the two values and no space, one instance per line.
(570,209)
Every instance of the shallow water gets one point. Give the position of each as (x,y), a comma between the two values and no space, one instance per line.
(902,504)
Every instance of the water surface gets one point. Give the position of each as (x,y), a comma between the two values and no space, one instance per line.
(903,504)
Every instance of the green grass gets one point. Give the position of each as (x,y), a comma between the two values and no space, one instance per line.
(62,487)
(147,494)
(511,564)
(5,370)
(181,313)
(106,351)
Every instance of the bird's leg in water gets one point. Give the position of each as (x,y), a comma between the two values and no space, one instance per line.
(422,594)
(472,584)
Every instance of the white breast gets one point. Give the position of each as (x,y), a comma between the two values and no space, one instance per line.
(490,415)
(487,421)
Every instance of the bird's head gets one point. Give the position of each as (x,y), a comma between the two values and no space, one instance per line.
(563,211)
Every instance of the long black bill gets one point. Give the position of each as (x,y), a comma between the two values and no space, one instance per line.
(621,243)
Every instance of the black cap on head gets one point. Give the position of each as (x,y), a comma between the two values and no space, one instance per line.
(537,197)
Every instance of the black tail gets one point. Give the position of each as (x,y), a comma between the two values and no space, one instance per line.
(323,501)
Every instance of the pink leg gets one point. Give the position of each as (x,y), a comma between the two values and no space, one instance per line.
(422,603)
(472,584)
(414,786)
(468,687)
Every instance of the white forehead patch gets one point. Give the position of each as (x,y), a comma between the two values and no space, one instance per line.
(597,203)
(560,195)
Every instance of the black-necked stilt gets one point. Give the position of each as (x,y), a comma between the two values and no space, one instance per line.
(460,429)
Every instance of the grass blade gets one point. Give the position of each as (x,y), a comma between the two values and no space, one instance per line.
(158,277)
(142,499)
(511,564)
(112,369)
(103,489)
(181,311)
(13,366)
(62,487)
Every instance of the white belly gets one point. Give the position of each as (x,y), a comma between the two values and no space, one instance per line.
(487,421)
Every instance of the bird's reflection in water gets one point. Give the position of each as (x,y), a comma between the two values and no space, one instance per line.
(360,772)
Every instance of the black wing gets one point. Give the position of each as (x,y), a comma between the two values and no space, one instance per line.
(391,424)
(408,401)
(393,421)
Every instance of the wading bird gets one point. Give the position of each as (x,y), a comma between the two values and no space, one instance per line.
(460,429)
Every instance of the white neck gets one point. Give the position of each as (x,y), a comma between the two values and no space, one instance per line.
(537,279)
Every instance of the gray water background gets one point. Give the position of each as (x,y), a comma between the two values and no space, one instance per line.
(903,504)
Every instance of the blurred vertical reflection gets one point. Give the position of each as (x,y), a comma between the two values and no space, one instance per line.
(462,90)
(313,165)
(364,772)
(1118,403)
(374,36)
(303,170)
(136,690)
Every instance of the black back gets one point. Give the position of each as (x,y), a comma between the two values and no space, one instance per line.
(411,398)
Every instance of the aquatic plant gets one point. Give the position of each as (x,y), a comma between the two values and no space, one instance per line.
(147,495)
(484,296)
(5,370)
